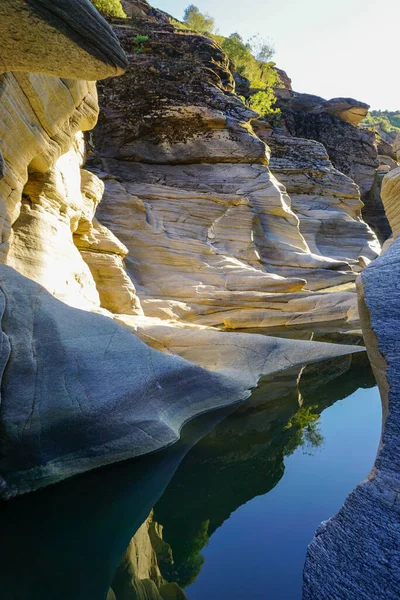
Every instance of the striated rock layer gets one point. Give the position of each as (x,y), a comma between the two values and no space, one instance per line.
(80,390)
(213,237)
(356,553)
(352,149)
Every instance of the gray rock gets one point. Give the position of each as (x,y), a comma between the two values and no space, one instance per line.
(79,391)
(356,554)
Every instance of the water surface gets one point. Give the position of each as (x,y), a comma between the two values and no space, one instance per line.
(226,513)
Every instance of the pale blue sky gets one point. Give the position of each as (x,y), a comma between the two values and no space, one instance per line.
(336,48)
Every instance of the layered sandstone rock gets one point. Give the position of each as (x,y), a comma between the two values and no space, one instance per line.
(78,390)
(65,38)
(326,202)
(351,149)
(212,236)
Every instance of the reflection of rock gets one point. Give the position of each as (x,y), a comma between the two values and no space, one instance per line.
(101,511)
(138,576)
(356,553)
(243,456)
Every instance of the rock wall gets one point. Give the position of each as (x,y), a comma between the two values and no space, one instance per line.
(356,553)
(213,237)
(183,171)
(353,150)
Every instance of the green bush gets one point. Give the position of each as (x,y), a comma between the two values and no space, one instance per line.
(384,120)
(246,59)
(194,19)
(109,8)
(251,59)
(263,101)
(138,42)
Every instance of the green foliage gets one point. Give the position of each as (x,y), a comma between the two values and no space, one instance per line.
(383,120)
(109,8)
(263,101)
(307,434)
(251,59)
(203,23)
(138,42)
(178,24)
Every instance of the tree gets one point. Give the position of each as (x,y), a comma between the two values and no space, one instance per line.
(203,23)
(109,8)
(251,59)
(261,49)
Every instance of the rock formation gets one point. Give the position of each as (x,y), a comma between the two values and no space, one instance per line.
(65,38)
(352,150)
(356,553)
(183,172)
(213,238)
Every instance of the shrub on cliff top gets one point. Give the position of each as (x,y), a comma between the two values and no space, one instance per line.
(203,23)
(387,121)
(251,59)
(109,8)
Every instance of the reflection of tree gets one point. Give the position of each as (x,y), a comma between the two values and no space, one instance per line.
(243,456)
(185,571)
(306,433)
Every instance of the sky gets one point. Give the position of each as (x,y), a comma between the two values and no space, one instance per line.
(345,48)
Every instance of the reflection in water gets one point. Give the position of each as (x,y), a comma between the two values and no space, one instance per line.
(66,542)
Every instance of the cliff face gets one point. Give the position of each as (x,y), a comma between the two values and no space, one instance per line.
(213,237)
(211,234)
(353,150)
(356,553)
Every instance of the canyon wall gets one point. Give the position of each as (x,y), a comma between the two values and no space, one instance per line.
(353,149)
(214,238)
(112,311)
(79,390)
(356,553)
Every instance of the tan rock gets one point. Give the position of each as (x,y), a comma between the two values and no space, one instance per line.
(58,37)
(390,199)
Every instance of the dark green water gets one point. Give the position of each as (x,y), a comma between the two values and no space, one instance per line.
(232,506)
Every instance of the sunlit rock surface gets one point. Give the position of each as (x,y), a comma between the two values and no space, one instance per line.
(326,202)
(65,38)
(213,237)
(352,149)
(80,391)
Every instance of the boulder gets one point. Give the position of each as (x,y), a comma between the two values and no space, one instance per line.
(347,110)
(80,391)
(66,38)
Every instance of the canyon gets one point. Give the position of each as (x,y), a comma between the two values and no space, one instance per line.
(153,229)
